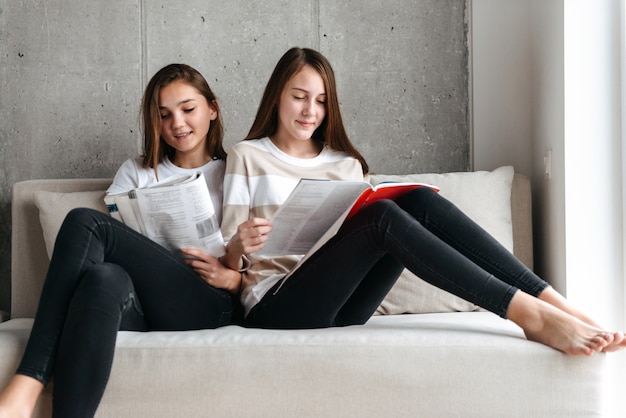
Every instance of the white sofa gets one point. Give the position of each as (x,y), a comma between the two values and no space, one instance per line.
(442,358)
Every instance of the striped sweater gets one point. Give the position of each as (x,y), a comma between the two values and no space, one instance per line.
(259,178)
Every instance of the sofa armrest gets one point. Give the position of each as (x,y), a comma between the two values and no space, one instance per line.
(521,217)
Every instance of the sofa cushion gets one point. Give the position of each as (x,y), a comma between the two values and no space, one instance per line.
(54,206)
(432,365)
(485,196)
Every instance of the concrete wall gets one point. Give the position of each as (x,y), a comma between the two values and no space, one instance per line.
(72,74)
(501,56)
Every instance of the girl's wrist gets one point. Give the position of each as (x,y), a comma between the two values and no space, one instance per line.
(234,261)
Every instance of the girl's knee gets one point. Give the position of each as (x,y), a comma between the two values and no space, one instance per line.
(419,201)
(79,219)
(82,215)
(422,194)
(381,206)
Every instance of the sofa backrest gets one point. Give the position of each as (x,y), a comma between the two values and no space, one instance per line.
(29,259)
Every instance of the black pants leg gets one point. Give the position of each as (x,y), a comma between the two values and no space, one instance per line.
(93,246)
(346,279)
(103,302)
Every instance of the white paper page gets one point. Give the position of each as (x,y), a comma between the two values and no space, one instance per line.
(311,209)
(130,214)
(181,216)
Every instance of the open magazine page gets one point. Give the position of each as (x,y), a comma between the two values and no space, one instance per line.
(311,209)
(125,210)
(346,207)
(175,214)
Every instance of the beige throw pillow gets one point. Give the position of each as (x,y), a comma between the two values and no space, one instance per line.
(485,196)
(54,206)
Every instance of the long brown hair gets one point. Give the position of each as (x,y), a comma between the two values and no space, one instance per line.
(332,131)
(155,149)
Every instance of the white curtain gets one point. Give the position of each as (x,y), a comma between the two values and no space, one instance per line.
(593,157)
(595,167)
(622,36)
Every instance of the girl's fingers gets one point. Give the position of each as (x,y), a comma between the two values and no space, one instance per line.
(198,255)
(253,234)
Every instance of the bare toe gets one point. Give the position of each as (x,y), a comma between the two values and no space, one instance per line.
(619,343)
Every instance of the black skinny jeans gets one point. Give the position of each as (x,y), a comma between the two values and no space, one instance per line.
(346,280)
(104,277)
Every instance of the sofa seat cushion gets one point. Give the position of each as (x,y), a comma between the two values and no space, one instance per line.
(382,365)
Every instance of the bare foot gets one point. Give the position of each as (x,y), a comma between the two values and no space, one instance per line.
(555,299)
(19,398)
(549,325)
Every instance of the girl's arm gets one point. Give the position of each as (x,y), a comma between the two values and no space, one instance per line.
(244,235)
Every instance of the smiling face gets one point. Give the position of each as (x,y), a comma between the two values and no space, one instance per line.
(301,109)
(185,120)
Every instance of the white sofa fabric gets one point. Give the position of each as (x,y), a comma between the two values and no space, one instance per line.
(439,364)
